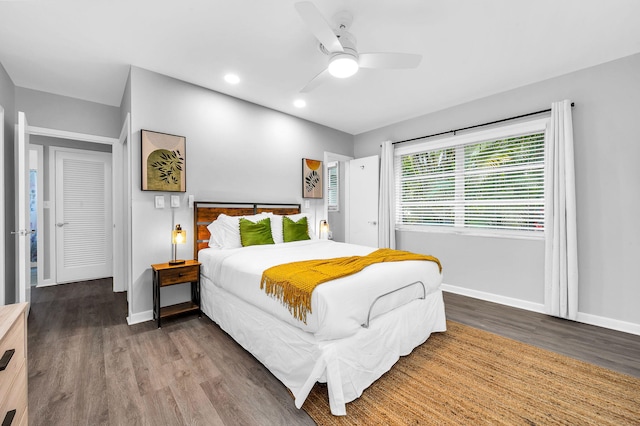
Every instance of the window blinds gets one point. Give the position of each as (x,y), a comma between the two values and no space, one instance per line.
(492,184)
(332,189)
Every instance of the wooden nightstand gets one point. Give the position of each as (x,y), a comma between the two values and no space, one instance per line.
(165,275)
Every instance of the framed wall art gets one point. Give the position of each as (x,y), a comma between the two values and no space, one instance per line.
(163,162)
(311,178)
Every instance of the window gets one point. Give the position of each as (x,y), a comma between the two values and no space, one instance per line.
(490,181)
(333,191)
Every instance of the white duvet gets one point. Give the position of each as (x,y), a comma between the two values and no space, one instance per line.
(338,307)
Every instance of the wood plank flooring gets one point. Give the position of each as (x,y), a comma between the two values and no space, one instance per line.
(88,367)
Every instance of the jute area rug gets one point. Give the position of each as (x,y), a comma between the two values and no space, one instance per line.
(467,376)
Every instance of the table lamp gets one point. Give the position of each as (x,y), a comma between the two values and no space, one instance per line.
(178,236)
(323,232)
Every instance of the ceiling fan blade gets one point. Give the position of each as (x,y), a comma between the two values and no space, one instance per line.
(316,81)
(318,26)
(389,60)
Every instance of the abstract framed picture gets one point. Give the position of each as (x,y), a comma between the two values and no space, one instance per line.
(311,178)
(163,162)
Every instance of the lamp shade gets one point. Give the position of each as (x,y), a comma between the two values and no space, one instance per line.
(323,232)
(178,235)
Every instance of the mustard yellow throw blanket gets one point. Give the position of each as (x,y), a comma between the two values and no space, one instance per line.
(293,283)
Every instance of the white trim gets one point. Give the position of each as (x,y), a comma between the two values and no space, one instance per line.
(63,134)
(475,232)
(328,157)
(598,321)
(121,207)
(140,317)
(2,207)
(40,212)
(613,324)
(496,298)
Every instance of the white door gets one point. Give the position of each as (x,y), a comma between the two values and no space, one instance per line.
(83,216)
(23,232)
(363,201)
(2,229)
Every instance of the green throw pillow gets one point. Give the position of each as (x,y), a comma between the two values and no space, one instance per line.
(254,234)
(295,231)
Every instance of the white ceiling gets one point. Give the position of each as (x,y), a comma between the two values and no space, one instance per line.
(470,48)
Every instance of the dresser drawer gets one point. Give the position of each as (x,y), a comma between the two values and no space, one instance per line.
(13,340)
(16,399)
(182,274)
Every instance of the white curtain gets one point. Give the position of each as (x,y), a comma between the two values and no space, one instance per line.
(561,245)
(386,208)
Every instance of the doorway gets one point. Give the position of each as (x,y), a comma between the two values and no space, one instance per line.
(337,217)
(47,137)
(36,212)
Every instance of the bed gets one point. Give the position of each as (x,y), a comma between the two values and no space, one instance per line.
(358,326)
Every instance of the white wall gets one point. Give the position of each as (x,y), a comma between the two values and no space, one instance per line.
(235,151)
(606,122)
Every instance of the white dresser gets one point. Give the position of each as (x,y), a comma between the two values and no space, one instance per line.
(13,364)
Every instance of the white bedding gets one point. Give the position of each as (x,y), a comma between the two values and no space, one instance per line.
(339,307)
(299,360)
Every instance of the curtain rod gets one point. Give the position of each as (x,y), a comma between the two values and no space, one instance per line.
(478,125)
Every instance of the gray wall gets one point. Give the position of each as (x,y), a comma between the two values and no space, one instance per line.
(69,114)
(235,151)
(7,100)
(607,147)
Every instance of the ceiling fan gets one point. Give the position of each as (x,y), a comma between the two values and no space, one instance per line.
(340,45)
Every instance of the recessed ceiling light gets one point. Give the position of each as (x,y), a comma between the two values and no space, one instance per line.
(232,79)
(300,103)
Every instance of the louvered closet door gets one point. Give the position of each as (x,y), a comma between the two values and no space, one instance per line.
(83,216)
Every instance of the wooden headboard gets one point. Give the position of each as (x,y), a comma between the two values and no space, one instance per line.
(206,212)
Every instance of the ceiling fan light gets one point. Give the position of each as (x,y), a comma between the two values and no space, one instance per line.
(343,65)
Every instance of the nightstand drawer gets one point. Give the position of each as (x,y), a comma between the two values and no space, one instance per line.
(13,341)
(183,274)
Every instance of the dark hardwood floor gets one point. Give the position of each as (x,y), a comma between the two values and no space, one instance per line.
(88,367)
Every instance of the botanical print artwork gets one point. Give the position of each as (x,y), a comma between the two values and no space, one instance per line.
(163,162)
(165,167)
(311,178)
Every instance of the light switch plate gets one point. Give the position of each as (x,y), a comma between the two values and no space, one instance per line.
(191,201)
(159,201)
(175,201)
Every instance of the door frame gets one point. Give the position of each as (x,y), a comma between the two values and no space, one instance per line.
(40,212)
(54,181)
(3,288)
(83,137)
(329,157)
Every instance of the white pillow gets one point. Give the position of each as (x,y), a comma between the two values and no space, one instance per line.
(225,230)
(276,226)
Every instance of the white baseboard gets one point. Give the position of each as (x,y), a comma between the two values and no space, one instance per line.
(140,317)
(613,324)
(496,298)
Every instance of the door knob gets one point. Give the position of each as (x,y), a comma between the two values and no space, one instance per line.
(23,232)
(61,224)
(373,222)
